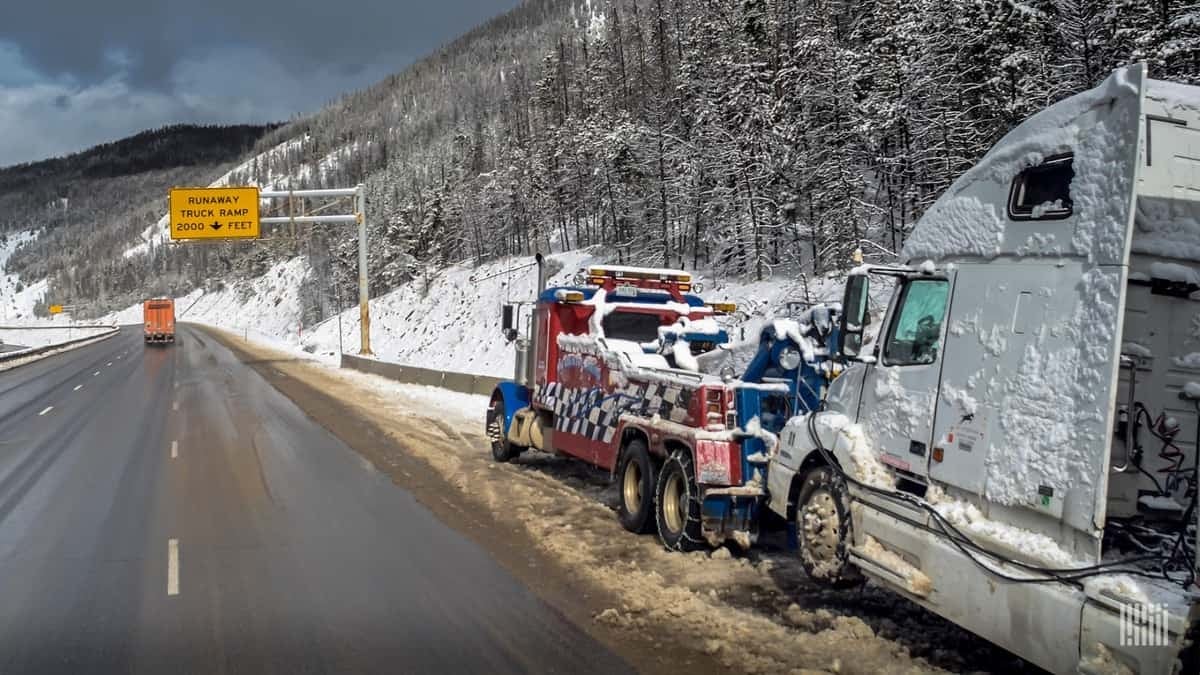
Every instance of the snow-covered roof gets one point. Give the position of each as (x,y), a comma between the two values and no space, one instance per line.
(1135,144)
(1099,128)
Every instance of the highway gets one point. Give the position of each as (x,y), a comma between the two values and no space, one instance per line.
(165,509)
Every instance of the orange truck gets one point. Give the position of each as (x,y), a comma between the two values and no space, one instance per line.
(160,320)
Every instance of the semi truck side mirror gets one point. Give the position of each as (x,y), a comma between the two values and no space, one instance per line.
(508,322)
(854,315)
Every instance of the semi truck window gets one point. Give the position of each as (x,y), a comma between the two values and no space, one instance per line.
(916,331)
(1043,192)
(633,326)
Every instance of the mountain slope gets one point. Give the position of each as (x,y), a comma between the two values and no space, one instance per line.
(755,137)
(758,137)
(85,207)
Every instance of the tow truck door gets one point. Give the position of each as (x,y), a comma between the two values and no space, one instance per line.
(899,394)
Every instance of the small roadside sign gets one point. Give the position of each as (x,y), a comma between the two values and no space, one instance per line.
(56,309)
(214,213)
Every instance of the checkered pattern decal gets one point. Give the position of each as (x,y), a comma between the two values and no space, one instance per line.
(593,414)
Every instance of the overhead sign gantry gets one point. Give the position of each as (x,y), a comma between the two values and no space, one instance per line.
(232,213)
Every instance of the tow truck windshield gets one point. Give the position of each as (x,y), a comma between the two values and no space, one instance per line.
(633,326)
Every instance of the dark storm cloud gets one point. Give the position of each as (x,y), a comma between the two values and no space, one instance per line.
(78,39)
(204,60)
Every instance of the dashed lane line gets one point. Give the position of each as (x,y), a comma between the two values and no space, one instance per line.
(172,567)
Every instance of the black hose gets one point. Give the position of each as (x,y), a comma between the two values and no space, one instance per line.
(963,542)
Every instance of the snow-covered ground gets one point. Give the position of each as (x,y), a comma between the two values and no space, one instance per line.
(19,328)
(448,321)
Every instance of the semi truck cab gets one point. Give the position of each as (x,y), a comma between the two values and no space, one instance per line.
(1013,442)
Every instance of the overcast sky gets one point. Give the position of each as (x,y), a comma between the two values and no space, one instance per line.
(76,73)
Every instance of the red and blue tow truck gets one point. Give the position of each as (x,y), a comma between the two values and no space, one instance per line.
(632,372)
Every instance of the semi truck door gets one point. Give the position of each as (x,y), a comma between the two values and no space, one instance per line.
(1011,421)
(900,392)
(996,315)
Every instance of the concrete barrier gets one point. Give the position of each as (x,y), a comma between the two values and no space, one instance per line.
(464,383)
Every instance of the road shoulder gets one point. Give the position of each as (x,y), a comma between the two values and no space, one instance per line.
(309,386)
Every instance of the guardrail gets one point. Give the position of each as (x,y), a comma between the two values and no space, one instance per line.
(68,327)
(464,383)
(37,351)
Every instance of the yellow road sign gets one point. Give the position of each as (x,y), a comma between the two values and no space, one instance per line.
(56,309)
(214,213)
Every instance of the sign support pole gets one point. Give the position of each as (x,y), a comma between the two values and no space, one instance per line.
(364,310)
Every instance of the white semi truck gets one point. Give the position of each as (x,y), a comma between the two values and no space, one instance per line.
(1013,444)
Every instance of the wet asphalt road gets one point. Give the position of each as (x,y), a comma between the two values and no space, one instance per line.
(164,509)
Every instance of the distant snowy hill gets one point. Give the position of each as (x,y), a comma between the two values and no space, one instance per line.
(88,207)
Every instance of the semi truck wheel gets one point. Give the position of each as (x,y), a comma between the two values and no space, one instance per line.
(823,529)
(636,476)
(502,449)
(677,504)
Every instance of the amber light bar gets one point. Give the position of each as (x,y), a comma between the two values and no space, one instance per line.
(600,274)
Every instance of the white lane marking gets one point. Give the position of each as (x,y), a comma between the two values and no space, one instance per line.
(174,449)
(110,363)
(172,567)
(175,405)
(95,373)
(77,387)
(48,409)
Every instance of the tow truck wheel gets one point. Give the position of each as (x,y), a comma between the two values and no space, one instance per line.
(636,475)
(502,449)
(823,529)
(677,504)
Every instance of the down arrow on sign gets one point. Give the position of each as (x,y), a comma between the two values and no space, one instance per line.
(216,225)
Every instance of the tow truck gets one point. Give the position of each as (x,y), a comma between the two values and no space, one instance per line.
(630,371)
(1016,447)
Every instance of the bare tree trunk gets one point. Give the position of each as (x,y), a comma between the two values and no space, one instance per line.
(699,220)
(662,196)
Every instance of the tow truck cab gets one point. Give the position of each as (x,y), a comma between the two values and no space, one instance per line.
(578,340)
(1015,448)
